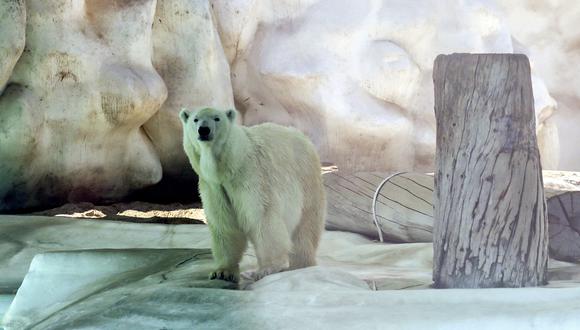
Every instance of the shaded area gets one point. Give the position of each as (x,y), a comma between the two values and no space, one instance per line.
(171,189)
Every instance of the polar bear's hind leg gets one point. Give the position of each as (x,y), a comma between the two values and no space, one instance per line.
(306,237)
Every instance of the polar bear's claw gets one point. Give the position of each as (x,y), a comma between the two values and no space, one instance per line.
(224,274)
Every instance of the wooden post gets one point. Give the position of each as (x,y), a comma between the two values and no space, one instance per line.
(490,225)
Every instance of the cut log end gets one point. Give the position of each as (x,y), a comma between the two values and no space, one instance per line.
(564,226)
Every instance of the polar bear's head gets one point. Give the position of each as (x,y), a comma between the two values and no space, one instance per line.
(207,125)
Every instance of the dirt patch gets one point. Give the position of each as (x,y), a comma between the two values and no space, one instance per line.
(139,212)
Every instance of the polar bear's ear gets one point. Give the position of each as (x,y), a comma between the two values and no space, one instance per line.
(231,114)
(184,115)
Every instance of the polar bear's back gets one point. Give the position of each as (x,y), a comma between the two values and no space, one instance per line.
(285,146)
(289,164)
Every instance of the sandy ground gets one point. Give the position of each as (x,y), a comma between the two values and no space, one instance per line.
(140,212)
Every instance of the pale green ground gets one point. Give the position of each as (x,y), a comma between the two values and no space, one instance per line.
(163,284)
(5,301)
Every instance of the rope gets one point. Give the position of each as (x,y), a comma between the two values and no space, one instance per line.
(379,230)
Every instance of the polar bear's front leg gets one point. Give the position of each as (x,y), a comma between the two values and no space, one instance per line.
(228,241)
(228,246)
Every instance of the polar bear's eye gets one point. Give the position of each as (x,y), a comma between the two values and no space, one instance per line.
(216,119)
(195,120)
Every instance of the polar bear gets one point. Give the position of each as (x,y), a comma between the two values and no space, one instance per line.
(260,183)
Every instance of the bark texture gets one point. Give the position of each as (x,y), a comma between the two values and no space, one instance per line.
(404,205)
(564,226)
(490,212)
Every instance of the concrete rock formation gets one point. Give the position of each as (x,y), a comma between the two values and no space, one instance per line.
(13,26)
(72,111)
(188,55)
(357,78)
(552,42)
(90,89)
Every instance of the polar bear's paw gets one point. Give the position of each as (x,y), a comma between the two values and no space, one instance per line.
(260,274)
(226,274)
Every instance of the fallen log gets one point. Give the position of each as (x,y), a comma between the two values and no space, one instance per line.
(405,215)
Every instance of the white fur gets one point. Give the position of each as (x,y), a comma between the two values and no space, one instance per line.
(262,184)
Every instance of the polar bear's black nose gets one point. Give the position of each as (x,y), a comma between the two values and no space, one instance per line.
(203,131)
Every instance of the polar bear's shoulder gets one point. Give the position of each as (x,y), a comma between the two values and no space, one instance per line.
(275,131)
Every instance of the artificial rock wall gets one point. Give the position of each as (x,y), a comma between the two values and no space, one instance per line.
(90,89)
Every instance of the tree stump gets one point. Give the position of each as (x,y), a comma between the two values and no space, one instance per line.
(490,212)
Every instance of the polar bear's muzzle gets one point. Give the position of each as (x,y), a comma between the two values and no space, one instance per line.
(204,133)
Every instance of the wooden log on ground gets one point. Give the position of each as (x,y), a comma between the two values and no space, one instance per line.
(562,190)
(490,211)
(406,217)
(404,205)
(564,226)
